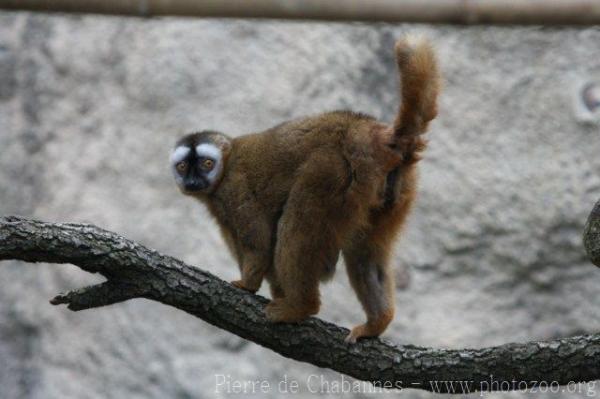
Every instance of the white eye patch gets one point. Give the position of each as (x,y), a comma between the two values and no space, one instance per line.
(179,154)
(206,150)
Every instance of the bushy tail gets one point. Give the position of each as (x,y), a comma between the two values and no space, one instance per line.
(420,84)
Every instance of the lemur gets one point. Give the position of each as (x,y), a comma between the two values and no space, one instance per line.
(289,199)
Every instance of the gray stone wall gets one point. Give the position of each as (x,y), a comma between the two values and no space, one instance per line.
(90,106)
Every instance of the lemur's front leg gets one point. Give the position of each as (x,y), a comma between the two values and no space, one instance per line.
(253,244)
(254,266)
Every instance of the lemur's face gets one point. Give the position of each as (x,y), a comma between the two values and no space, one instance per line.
(198,161)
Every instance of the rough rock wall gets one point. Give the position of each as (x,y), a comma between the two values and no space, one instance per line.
(90,106)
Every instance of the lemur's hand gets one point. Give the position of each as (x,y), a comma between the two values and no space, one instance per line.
(242,285)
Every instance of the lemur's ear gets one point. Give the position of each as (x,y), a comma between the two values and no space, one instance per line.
(223,142)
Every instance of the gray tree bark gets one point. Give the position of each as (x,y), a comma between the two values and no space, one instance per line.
(133,271)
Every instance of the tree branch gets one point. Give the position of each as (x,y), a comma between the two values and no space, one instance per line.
(467,12)
(591,235)
(133,271)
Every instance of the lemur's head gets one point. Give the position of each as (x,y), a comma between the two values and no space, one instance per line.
(198,161)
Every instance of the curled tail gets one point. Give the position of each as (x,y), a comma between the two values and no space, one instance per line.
(420,85)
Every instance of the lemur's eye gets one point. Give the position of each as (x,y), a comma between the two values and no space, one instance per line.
(208,164)
(181,166)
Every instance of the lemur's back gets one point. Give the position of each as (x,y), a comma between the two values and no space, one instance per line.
(272,157)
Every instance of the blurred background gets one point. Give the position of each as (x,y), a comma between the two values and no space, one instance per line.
(91,106)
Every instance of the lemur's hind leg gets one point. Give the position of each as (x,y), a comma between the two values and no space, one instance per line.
(371,276)
(308,237)
(367,257)
(274,284)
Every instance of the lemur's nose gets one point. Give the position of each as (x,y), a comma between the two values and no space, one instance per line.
(195,185)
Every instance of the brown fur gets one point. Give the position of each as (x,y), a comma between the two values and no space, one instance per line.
(292,197)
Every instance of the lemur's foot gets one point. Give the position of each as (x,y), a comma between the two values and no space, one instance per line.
(279,311)
(372,328)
